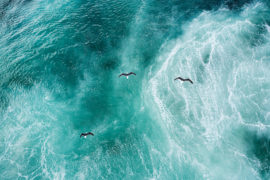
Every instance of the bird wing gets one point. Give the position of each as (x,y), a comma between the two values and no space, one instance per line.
(190,81)
(133,73)
(187,80)
(180,78)
(89,133)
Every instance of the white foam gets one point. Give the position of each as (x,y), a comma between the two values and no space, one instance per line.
(212,105)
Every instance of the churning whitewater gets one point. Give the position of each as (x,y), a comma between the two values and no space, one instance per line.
(60,63)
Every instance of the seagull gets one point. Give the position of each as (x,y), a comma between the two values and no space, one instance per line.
(183,79)
(86,134)
(127,74)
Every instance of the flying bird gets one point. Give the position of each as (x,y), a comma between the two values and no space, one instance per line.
(86,134)
(127,74)
(183,79)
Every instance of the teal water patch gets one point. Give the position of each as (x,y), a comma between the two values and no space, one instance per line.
(257,145)
(60,63)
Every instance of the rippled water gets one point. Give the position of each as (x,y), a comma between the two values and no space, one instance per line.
(59,67)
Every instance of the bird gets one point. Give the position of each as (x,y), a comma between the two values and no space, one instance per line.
(86,134)
(183,79)
(127,74)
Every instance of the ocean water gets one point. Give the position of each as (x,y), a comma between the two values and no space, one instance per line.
(59,67)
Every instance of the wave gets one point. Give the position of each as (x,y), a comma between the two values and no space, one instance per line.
(226,57)
(60,63)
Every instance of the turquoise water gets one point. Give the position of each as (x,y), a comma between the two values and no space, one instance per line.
(59,67)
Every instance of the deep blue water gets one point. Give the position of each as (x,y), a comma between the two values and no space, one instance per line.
(59,67)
